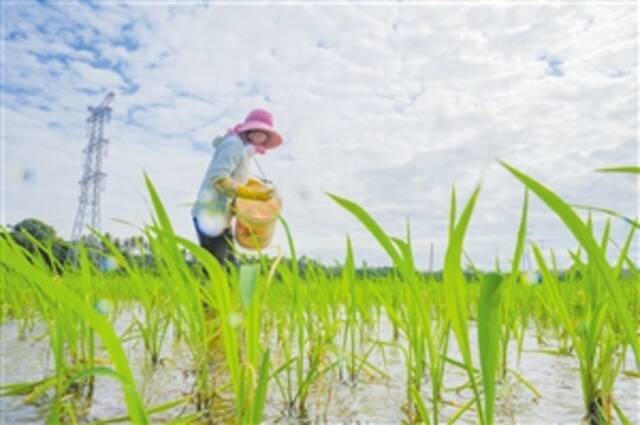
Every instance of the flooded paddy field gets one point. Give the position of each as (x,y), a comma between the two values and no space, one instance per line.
(181,339)
(373,398)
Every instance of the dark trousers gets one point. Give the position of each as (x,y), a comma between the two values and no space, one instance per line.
(220,246)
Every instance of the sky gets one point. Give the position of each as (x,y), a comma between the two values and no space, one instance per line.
(387,104)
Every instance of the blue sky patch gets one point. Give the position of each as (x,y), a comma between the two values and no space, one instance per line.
(45,58)
(131,111)
(16,36)
(554,65)
(28,176)
(126,39)
(324,44)
(92,4)
(14,89)
(90,92)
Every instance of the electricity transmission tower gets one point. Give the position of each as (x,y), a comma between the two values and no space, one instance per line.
(92,181)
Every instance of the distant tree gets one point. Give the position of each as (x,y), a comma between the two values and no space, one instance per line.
(44,234)
(40,231)
(118,243)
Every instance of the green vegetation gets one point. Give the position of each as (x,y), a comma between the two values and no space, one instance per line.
(280,330)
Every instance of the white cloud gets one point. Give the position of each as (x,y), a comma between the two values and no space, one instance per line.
(388,105)
(95,78)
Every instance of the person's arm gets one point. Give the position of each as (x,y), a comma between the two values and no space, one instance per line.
(227,158)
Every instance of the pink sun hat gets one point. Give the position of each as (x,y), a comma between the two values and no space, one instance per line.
(259,119)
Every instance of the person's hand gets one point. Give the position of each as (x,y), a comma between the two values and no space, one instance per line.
(258,193)
(226,186)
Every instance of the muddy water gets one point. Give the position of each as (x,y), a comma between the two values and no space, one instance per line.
(374,399)
(30,360)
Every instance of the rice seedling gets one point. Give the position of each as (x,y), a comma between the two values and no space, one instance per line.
(594,340)
(283,337)
(55,295)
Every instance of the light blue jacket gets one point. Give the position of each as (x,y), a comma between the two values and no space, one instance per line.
(212,209)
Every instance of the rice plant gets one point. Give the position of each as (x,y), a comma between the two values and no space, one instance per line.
(279,339)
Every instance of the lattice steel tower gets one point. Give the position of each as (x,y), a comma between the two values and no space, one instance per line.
(92,181)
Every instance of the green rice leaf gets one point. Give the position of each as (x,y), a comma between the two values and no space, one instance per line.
(261,389)
(248,280)
(488,338)
(374,228)
(161,212)
(581,232)
(630,169)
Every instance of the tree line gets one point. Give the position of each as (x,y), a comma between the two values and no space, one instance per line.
(34,235)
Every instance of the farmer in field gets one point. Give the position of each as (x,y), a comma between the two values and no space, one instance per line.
(226,179)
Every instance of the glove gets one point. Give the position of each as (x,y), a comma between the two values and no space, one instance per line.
(226,186)
(248,191)
(259,193)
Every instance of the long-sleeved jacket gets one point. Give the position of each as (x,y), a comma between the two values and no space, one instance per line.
(212,209)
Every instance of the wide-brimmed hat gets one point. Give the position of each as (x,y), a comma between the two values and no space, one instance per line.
(259,119)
